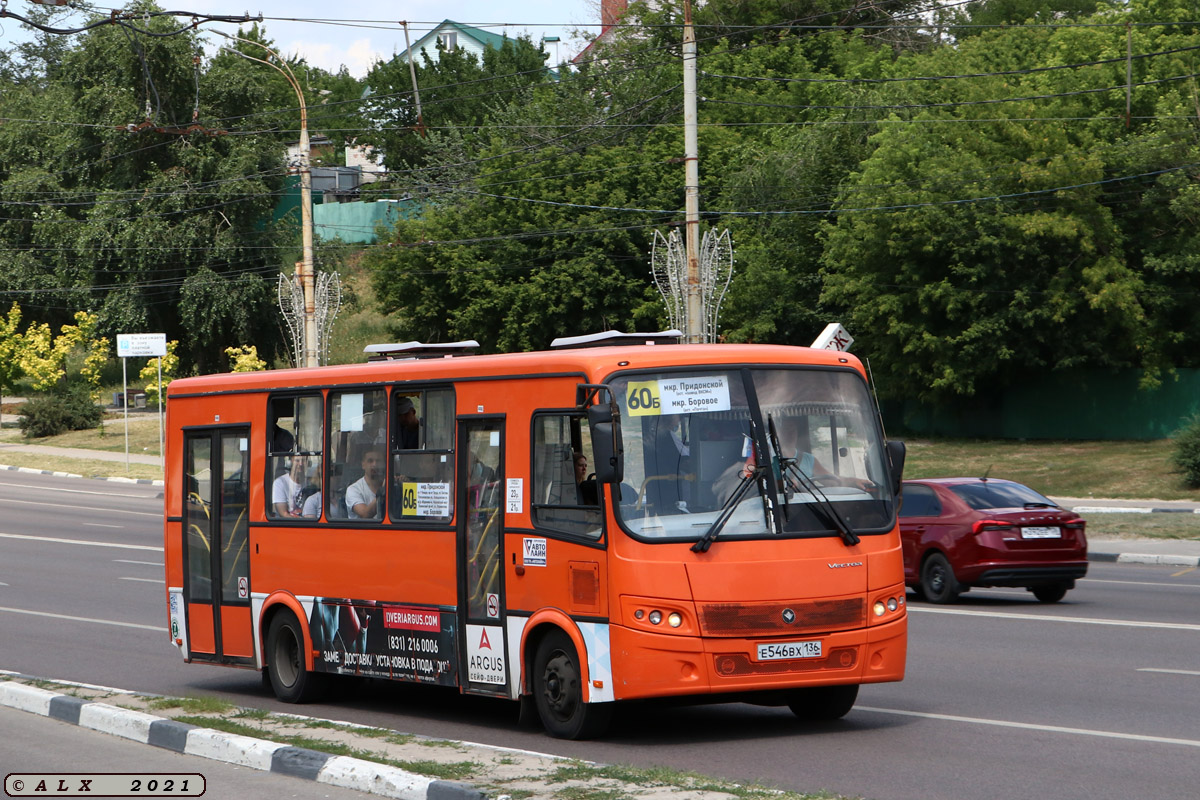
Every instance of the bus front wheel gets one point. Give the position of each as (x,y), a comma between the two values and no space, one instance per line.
(823,703)
(290,679)
(558,692)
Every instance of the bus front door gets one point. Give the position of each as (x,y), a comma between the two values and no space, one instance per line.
(481,496)
(217,584)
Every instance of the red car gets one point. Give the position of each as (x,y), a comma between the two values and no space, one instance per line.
(964,532)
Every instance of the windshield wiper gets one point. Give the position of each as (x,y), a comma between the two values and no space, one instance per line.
(702,544)
(828,509)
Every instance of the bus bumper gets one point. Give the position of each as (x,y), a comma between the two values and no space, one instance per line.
(656,665)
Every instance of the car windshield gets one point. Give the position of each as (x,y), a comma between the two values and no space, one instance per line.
(986,495)
(807,437)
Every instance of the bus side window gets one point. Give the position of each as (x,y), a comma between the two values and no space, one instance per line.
(357,441)
(293,455)
(565,494)
(422,438)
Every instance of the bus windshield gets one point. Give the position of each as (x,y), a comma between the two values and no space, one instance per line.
(768,451)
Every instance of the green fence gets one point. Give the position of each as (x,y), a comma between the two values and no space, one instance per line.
(1076,404)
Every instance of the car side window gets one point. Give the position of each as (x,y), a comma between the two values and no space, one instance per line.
(920,501)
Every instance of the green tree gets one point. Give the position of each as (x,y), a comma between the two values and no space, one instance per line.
(11,346)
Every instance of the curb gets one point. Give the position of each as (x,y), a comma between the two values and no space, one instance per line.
(1146,558)
(32,471)
(299,762)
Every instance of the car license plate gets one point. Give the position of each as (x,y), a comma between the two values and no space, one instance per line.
(1041,533)
(782,651)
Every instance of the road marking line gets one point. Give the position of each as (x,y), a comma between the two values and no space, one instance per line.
(86,508)
(1169,671)
(101,525)
(1147,583)
(145,580)
(76,491)
(1030,726)
(130,561)
(1126,623)
(80,541)
(157,628)
(1183,572)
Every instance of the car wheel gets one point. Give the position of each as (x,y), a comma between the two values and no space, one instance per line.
(823,703)
(937,580)
(558,691)
(290,679)
(1049,592)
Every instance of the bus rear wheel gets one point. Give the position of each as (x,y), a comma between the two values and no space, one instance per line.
(558,692)
(290,679)
(823,703)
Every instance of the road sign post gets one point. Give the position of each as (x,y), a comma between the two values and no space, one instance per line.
(152,345)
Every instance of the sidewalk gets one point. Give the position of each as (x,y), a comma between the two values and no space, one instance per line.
(73,452)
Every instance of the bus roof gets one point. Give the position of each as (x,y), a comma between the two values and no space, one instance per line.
(592,363)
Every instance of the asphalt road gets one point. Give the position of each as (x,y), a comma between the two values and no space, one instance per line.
(50,746)
(1091,698)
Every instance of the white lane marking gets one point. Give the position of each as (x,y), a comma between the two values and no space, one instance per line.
(145,580)
(1125,623)
(1147,583)
(157,628)
(101,525)
(130,561)
(1169,671)
(76,491)
(80,541)
(1030,726)
(84,508)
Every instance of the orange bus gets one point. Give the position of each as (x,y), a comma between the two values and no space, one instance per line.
(616,518)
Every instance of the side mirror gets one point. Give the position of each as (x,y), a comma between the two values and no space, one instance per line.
(895,454)
(606,442)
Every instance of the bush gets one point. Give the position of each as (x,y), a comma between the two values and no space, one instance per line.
(71,409)
(1187,451)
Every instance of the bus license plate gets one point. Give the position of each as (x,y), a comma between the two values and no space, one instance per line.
(782,651)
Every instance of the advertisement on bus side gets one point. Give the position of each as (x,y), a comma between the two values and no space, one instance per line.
(380,640)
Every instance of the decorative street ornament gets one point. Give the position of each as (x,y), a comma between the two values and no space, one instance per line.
(668,265)
(327,301)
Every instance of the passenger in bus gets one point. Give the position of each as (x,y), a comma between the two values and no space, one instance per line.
(310,495)
(585,489)
(408,425)
(364,497)
(285,492)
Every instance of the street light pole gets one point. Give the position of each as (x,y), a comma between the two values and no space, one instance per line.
(691,158)
(307,270)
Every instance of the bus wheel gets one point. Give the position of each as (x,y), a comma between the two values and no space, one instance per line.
(558,691)
(290,680)
(823,703)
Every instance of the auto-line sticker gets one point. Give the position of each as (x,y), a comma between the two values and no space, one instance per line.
(535,552)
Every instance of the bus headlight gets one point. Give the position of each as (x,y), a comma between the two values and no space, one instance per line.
(674,620)
(655,617)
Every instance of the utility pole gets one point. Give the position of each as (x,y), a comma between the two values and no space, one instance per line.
(305,268)
(691,157)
